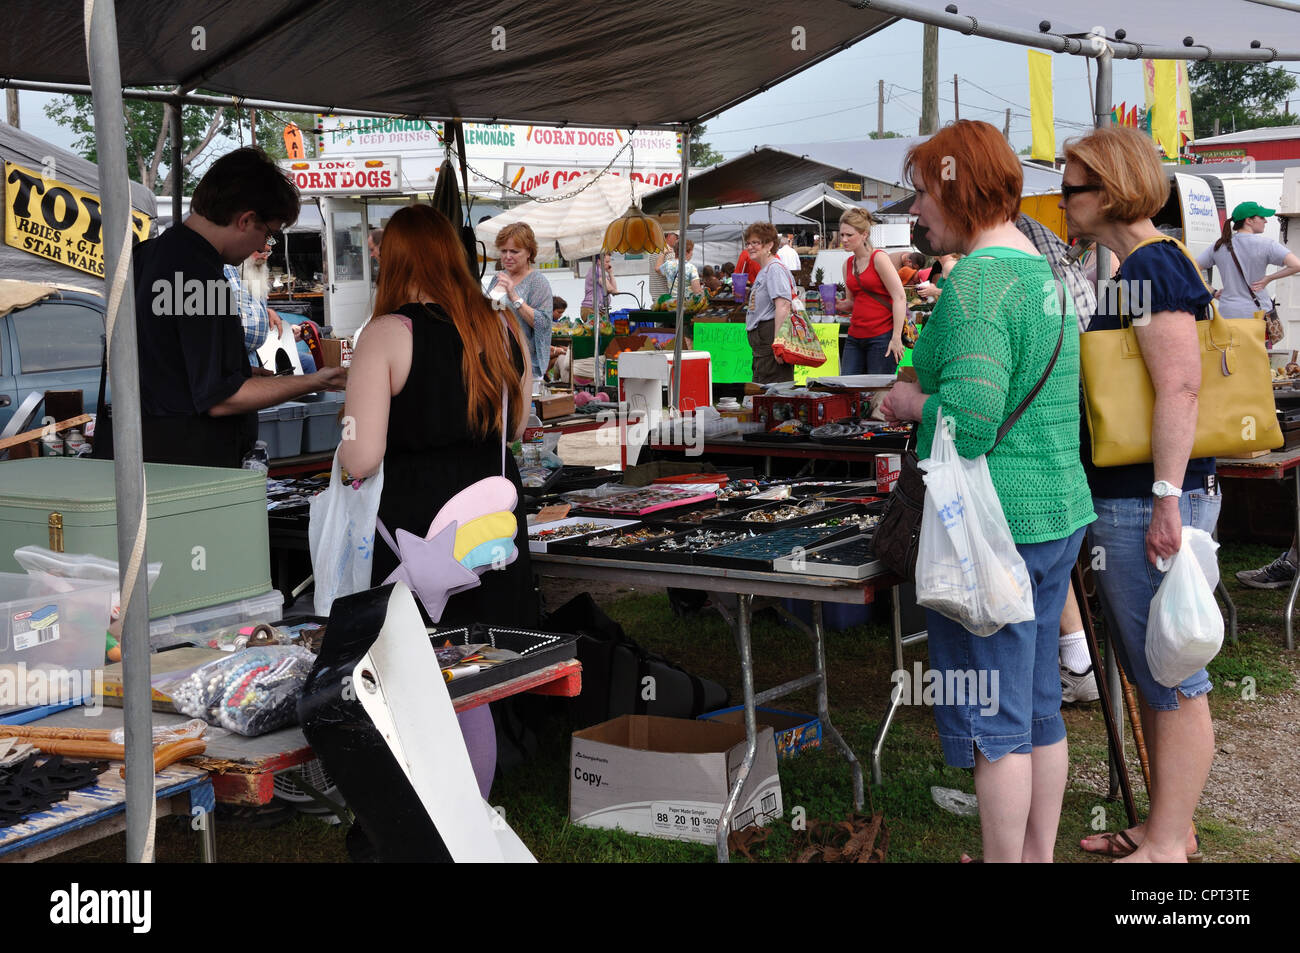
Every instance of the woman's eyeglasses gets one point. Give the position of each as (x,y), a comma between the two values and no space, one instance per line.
(1068,191)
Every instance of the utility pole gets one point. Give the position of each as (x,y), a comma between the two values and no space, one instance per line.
(1006,126)
(956,106)
(252,126)
(880,109)
(1216,125)
(930,81)
(11,100)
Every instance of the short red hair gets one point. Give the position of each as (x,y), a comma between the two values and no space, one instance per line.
(971,172)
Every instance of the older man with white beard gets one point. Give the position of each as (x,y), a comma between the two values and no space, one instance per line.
(251,281)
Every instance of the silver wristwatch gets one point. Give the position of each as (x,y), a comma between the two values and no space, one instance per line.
(1163,488)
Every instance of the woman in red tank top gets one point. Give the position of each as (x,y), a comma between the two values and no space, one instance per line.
(876,300)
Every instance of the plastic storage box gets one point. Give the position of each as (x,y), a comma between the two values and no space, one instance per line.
(51,641)
(207,525)
(321,429)
(193,627)
(281,427)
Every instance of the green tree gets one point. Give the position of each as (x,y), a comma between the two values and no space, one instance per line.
(701,152)
(148,135)
(1240,95)
(887,134)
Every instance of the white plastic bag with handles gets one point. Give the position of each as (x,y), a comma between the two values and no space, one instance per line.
(341,535)
(967,565)
(1185,626)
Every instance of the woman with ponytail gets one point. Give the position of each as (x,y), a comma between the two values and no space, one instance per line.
(1243,256)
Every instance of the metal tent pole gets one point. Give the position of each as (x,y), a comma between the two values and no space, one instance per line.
(675,379)
(1101,118)
(128,466)
(596,377)
(178,160)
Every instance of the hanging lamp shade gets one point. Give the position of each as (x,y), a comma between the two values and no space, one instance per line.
(634,234)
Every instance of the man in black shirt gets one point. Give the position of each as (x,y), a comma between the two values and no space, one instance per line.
(198,395)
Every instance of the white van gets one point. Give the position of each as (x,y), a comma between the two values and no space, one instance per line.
(1200,202)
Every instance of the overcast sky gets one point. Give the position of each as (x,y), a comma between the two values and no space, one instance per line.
(836,100)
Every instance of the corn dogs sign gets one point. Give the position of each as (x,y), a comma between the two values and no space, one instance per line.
(57,221)
(345,176)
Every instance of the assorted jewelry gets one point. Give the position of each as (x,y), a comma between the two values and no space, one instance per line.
(250,693)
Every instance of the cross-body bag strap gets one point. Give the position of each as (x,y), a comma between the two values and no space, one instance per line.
(1241,271)
(1024,404)
(888,303)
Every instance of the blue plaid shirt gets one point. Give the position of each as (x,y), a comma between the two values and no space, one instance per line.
(252,312)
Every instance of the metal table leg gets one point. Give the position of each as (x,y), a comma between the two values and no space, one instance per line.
(1295,583)
(203,816)
(743,614)
(895,693)
(824,711)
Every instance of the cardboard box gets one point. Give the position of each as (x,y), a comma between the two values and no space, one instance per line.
(338,353)
(794,732)
(669,777)
(558,405)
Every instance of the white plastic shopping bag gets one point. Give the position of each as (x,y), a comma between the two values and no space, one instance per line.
(1185,627)
(341,535)
(967,565)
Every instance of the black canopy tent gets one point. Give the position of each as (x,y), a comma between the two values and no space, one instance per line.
(492,61)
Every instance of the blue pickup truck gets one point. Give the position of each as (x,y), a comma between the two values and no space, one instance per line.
(55,343)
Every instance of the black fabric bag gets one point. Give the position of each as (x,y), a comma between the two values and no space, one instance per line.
(615,671)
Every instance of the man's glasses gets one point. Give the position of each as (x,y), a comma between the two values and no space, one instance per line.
(266,230)
(1067,191)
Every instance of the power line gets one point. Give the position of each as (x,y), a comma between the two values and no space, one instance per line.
(786,122)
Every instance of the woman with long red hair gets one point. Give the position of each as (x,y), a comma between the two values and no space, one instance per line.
(424,397)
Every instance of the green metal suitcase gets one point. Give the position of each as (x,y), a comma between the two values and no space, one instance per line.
(207,526)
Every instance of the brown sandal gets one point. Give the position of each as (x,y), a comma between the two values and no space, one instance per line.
(1118,844)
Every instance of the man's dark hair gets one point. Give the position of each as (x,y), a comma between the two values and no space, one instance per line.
(242,181)
(917,259)
(728,268)
(558,303)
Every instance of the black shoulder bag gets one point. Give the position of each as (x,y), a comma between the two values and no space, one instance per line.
(898,536)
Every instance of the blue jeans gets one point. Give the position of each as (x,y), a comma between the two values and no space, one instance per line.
(1020,663)
(1128,581)
(868,355)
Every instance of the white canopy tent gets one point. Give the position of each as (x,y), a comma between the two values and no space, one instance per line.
(491,60)
(575,224)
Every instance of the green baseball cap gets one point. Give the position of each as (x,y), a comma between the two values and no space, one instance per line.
(1249,210)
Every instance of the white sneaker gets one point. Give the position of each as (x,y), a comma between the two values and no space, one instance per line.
(1078,688)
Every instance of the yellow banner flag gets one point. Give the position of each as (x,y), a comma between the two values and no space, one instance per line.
(1164,127)
(1185,103)
(1041,116)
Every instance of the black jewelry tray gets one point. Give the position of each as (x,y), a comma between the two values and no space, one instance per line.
(537,650)
(777,544)
(736,520)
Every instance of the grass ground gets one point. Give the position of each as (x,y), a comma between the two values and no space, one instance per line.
(534,797)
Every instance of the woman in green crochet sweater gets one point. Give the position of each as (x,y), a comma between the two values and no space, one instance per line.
(987,344)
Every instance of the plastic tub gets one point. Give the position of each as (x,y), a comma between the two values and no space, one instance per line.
(321,428)
(281,427)
(193,627)
(51,639)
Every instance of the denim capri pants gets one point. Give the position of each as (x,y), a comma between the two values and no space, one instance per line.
(1018,664)
(1128,581)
